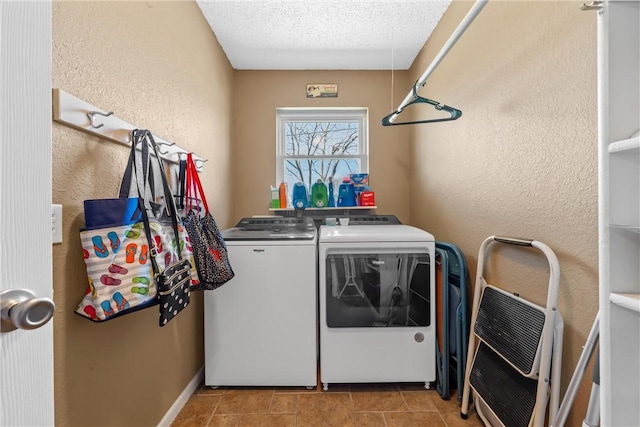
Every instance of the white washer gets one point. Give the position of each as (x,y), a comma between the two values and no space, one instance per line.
(261,327)
(377,303)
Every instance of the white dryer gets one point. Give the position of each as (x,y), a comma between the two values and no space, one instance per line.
(377,302)
(261,327)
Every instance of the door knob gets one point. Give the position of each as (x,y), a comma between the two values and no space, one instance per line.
(20,309)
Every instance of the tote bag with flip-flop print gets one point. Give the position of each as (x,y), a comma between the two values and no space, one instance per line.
(119,270)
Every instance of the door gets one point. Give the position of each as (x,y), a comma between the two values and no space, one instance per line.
(26,358)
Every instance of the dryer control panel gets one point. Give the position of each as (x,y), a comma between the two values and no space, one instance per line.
(369,220)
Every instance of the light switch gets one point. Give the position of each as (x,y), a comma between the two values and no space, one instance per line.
(56,223)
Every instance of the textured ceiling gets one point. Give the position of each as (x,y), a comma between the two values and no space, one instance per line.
(322,34)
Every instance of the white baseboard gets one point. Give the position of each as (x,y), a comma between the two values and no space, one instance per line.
(177,406)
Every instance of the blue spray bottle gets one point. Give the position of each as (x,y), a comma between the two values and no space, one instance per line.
(332,199)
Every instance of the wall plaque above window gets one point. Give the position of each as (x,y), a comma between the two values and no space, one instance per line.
(322,90)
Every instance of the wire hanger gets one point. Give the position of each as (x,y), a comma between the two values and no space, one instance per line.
(454,112)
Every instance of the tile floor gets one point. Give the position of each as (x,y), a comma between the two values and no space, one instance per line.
(362,405)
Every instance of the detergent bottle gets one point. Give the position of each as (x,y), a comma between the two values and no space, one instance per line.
(275,197)
(300,198)
(347,193)
(283,195)
(332,197)
(319,195)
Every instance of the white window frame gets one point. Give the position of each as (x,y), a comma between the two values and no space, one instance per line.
(302,114)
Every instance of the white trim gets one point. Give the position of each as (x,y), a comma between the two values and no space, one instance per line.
(177,406)
(74,112)
(360,114)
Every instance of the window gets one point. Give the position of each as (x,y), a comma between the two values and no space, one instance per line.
(318,143)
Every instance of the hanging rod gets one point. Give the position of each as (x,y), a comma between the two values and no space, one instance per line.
(79,114)
(462,27)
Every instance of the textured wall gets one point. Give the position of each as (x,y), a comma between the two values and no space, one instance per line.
(156,65)
(258,94)
(522,159)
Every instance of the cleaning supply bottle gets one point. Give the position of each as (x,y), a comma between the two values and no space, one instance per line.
(283,195)
(319,195)
(275,197)
(300,198)
(346,193)
(332,197)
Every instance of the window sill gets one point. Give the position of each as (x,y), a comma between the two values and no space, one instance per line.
(337,208)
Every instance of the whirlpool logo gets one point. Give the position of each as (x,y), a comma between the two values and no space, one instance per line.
(377,262)
(258,251)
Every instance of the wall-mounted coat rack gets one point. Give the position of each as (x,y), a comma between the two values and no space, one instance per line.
(78,114)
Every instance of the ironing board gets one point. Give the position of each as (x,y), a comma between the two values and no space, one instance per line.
(455,312)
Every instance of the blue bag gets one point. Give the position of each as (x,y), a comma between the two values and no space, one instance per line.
(124,210)
(105,212)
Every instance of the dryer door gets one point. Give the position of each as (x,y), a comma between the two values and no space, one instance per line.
(377,289)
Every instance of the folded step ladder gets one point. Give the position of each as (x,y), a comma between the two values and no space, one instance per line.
(512,347)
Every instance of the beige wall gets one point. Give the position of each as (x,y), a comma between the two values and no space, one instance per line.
(156,65)
(522,159)
(257,95)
